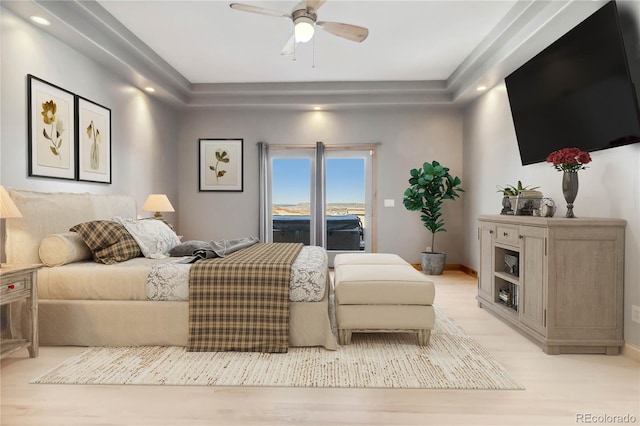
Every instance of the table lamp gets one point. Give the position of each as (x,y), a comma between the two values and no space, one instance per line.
(8,208)
(157,203)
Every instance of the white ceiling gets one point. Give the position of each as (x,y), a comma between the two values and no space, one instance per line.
(208,42)
(205,54)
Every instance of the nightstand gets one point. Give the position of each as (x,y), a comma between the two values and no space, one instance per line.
(20,283)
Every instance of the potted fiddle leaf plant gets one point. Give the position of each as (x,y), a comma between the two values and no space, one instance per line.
(430,186)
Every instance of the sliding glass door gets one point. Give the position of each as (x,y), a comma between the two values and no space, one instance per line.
(348,206)
(321,197)
(292,190)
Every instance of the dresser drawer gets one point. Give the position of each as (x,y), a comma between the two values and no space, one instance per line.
(13,286)
(508,235)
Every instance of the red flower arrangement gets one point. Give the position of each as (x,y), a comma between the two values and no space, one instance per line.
(569,159)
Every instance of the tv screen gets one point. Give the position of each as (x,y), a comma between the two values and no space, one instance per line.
(578,92)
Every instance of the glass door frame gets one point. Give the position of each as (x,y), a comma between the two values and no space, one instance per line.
(367,154)
(292,152)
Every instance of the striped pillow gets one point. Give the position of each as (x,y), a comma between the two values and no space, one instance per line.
(109,241)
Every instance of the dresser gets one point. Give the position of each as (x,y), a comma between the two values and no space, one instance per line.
(560,281)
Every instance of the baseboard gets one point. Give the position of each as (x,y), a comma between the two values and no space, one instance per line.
(631,351)
(452,267)
(469,271)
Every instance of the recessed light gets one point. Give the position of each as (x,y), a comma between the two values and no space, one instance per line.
(481,88)
(40,20)
(317,108)
(150,89)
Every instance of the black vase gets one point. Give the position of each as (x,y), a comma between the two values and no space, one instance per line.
(570,190)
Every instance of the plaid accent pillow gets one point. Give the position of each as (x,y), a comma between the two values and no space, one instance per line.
(109,241)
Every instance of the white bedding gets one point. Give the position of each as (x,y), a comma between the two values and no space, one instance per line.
(89,280)
(162,279)
(170,281)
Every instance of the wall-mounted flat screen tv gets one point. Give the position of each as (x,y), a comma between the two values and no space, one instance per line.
(578,92)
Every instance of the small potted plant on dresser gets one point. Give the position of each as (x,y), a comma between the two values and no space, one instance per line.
(430,186)
(509,194)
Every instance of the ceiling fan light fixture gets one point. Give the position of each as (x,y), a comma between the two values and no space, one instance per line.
(304,29)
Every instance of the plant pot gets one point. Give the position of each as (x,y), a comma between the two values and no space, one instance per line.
(433,263)
(506,205)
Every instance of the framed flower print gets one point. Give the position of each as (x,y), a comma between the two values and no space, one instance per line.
(94,141)
(221,165)
(51,130)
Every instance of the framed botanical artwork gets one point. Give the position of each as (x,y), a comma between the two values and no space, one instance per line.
(51,130)
(221,165)
(94,141)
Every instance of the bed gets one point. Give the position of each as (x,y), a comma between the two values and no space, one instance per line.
(84,303)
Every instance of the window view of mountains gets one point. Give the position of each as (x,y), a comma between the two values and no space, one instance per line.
(304,209)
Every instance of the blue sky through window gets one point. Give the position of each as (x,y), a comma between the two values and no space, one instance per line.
(345,180)
(292,180)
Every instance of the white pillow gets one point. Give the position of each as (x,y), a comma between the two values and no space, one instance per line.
(154,237)
(60,249)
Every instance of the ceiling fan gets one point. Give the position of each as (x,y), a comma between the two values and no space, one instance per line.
(304,17)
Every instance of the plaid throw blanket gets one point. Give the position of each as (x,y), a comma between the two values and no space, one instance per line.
(241,302)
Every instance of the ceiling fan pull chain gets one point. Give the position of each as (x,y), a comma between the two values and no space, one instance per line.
(294,46)
(313,53)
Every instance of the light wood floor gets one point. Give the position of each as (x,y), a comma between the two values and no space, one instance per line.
(558,389)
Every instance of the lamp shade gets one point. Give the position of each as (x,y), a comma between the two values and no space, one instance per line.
(7,207)
(157,203)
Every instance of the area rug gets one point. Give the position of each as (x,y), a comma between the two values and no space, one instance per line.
(452,360)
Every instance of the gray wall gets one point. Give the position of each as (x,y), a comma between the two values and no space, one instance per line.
(610,187)
(144,131)
(409,136)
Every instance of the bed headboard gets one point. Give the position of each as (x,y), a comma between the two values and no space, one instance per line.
(45,213)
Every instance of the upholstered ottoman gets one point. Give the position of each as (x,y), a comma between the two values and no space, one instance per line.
(381,292)
(368,259)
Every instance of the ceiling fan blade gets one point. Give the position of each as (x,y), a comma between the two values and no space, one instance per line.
(315,4)
(259,10)
(289,46)
(348,31)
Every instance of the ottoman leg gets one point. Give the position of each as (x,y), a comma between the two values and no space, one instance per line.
(344,337)
(423,337)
